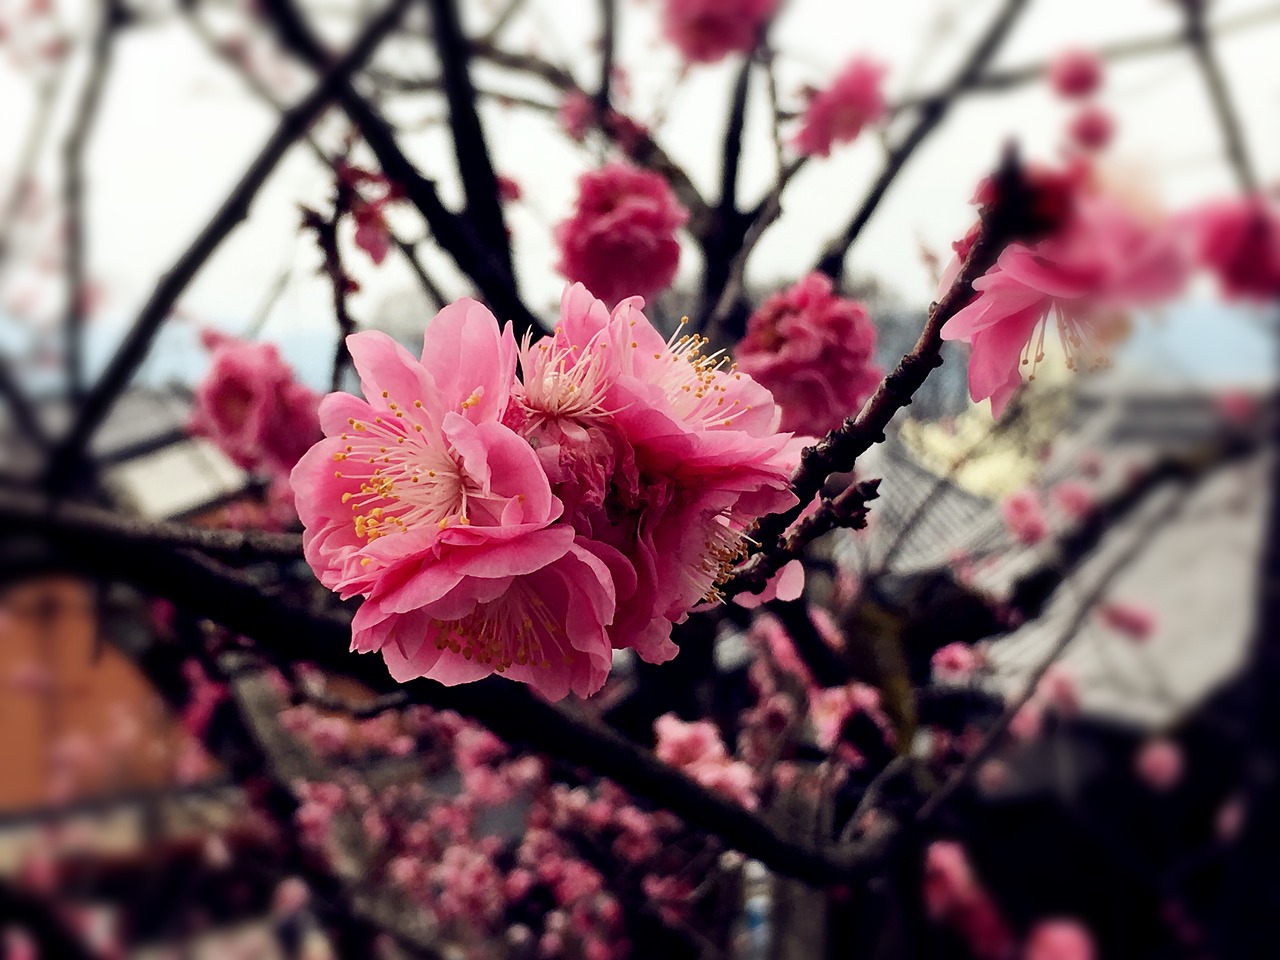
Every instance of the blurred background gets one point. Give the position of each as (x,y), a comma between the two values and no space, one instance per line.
(1092,561)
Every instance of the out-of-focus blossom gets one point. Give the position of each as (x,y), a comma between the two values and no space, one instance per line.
(1092,127)
(1059,940)
(1075,500)
(1075,73)
(955,662)
(1239,240)
(1059,689)
(1105,258)
(1134,621)
(954,897)
(576,115)
(815,352)
(707,30)
(696,748)
(838,113)
(621,240)
(1160,764)
(251,406)
(509,189)
(1024,516)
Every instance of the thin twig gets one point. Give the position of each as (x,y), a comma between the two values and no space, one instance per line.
(138,341)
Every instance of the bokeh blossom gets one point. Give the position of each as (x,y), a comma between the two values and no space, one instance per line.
(838,113)
(1075,73)
(705,31)
(1239,241)
(621,238)
(815,352)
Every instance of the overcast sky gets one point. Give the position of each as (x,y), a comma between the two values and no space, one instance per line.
(177,129)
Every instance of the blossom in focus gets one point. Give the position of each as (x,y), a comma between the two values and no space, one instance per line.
(621,241)
(1059,940)
(424,503)
(708,30)
(838,113)
(1239,240)
(1075,73)
(250,405)
(1092,127)
(814,351)
(1104,259)
(1024,517)
(662,455)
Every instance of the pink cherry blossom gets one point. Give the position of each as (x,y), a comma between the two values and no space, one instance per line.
(1160,764)
(251,406)
(1133,621)
(953,896)
(707,30)
(1092,127)
(576,115)
(1073,499)
(509,189)
(831,708)
(838,113)
(620,240)
(1239,240)
(1075,73)
(1059,940)
(1104,259)
(955,661)
(1024,516)
(662,456)
(424,503)
(696,749)
(815,352)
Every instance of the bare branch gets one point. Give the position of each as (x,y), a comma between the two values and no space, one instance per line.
(136,344)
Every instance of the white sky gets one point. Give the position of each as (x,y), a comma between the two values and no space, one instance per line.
(177,128)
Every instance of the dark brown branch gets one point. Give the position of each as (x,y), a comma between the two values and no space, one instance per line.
(608,41)
(1224,108)
(848,509)
(284,631)
(326,231)
(86,112)
(133,350)
(453,233)
(479,182)
(1087,603)
(837,452)
(728,229)
(931,115)
(24,414)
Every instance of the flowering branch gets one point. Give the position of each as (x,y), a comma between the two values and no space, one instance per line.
(326,231)
(137,343)
(931,115)
(1002,222)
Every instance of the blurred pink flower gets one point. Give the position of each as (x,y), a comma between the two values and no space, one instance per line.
(1074,499)
(1103,260)
(838,113)
(697,749)
(576,115)
(1239,240)
(1059,940)
(955,661)
(707,30)
(815,352)
(509,189)
(1024,516)
(1135,622)
(621,240)
(1160,764)
(250,406)
(1075,73)
(440,516)
(953,896)
(1092,127)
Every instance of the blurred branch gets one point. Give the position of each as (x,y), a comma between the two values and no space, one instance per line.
(67,455)
(1224,107)
(1106,577)
(24,414)
(326,231)
(728,227)
(260,89)
(831,262)
(284,631)
(39,919)
(479,182)
(86,111)
(608,41)
(453,233)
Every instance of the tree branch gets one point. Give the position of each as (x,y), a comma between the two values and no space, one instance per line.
(67,455)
